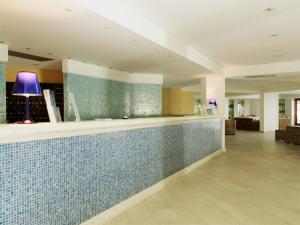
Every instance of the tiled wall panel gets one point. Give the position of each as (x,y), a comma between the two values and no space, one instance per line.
(69,180)
(100,98)
(2,93)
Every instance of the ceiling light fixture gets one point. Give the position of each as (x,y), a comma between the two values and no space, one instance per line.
(274,35)
(269,9)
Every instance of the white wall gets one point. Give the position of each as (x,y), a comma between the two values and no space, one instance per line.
(252,107)
(269,115)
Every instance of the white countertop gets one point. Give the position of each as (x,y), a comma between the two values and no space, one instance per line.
(11,133)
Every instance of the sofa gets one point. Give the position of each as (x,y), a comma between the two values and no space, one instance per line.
(290,135)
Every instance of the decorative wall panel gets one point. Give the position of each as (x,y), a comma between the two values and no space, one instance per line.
(100,98)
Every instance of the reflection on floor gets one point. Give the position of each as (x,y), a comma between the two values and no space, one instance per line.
(257,182)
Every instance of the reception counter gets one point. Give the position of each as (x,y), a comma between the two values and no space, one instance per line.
(70,172)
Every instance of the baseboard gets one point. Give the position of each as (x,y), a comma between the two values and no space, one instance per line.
(109,214)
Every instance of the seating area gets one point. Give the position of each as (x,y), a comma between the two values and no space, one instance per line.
(290,135)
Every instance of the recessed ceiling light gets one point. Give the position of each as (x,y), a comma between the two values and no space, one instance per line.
(269,9)
(274,35)
(68,9)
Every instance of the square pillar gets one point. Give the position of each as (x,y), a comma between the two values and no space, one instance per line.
(213,87)
(269,112)
(3,60)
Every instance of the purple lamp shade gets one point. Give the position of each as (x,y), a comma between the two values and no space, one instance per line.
(27,84)
(212,102)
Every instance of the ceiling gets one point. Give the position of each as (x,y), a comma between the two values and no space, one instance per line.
(281,82)
(232,32)
(229,32)
(62,29)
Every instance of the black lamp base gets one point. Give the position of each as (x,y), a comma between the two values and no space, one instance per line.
(26,121)
(27,118)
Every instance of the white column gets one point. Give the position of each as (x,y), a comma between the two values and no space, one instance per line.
(213,87)
(3,53)
(3,60)
(269,112)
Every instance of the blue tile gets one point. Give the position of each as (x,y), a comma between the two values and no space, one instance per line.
(69,180)
(100,98)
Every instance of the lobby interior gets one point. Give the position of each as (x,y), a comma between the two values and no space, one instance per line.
(164,113)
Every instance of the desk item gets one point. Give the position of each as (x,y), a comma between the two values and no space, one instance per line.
(53,110)
(27,85)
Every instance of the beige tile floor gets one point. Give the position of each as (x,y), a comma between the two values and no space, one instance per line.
(257,182)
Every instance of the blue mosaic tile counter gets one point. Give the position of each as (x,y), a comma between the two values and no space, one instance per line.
(68,180)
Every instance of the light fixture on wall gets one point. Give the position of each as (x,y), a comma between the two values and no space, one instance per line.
(27,85)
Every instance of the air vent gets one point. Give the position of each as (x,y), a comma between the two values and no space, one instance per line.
(28,56)
(261,76)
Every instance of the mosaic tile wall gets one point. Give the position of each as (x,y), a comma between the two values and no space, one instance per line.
(100,98)
(2,93)
(66,181)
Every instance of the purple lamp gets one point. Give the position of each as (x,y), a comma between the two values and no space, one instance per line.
(27,85)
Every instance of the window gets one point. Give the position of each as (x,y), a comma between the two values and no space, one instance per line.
(297,111)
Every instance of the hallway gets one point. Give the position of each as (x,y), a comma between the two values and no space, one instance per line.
(255,183)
